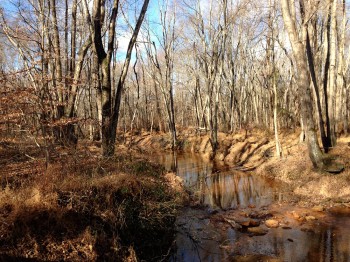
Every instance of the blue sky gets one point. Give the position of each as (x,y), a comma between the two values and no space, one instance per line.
(123,36)
(8,6)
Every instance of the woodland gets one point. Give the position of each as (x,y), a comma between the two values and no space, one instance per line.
(75,70)
(78,77)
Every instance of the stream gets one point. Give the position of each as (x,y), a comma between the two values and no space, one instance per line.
(221,190)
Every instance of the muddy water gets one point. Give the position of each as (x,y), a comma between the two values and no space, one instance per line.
(216,187)
(218,191)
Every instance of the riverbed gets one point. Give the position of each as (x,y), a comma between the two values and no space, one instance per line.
(226,219)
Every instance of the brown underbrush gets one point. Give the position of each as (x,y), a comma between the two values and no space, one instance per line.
(313,186)
(80,207)
(83,208)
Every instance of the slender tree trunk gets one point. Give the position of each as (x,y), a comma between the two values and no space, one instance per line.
(272,75)
(109,148)
(57,50)
(332,71)
(158,110)
(325,82)
(58,69)
(76,77)
(275,120)
(66,52)
(324,138)
(341,92)
(97,86)
(73,38)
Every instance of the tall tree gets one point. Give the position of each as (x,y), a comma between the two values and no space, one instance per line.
(298,40)
(110,110)
(271,54)
(311,37)
(341,89)
(332,70)
(163,73)
(104,61)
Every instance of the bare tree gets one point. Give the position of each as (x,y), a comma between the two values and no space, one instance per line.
(298,40)
(110,111)
(162,69)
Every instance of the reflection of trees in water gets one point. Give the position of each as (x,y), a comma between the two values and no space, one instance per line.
(224,190)
(322,243)
(173,166)
(334,244)
(237,189)
(327,245)
(218,189)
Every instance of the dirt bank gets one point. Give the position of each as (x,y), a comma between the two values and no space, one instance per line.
(245,149)
(255,151)
(313,186)
(84,208)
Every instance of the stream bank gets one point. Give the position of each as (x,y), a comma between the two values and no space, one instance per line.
(236,216)
(280,210)
(254,151)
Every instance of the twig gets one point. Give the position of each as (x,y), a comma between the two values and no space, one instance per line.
(32,158)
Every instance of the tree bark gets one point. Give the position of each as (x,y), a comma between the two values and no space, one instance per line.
(109,148)
(341,94)
(58,63)
(303,80)
(332,71)
(324,138)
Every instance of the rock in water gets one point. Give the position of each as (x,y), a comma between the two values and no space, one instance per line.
(271,223)
(257,231)
(318,208)
(310,218)
(254,258)
(295,215)
(244,222)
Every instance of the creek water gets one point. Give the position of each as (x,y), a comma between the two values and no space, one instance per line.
(219,190)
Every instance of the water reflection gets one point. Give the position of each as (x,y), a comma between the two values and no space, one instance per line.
(217,188)
(286,245)
(233,189)
(199,240)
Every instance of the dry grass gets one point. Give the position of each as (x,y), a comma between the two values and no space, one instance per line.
(314,186)
(83,208)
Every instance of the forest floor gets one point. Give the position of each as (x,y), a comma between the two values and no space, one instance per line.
(81,207)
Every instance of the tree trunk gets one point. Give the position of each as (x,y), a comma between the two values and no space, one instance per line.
(332,71)
(303,81)
(73,37)
(109,148)
(272,75)
(58,131)
(104,61)
(341,93)
(324,138)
